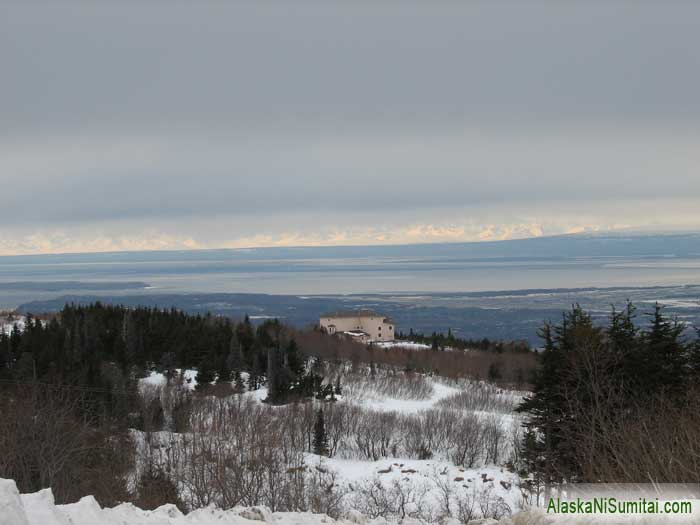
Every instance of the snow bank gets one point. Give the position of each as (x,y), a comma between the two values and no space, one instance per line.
(40,509)
(158,379)
(11,508)
(408,345)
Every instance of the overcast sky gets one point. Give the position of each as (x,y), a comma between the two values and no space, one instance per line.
(156,125)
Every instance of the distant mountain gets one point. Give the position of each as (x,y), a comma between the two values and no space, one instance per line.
(560,246)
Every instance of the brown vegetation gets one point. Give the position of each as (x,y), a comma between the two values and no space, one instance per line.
(46,443)
(512,368)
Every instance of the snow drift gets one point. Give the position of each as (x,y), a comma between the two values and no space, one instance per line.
(40,509)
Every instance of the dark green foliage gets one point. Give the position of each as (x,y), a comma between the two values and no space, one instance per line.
(662,360)
(295,362)
(590,374)
(693,358)
(224,374)
(107,348)
(438,341)
(278,377)
(205,373)
(320,441)
(235,355)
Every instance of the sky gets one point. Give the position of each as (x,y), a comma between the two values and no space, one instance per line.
(154,125)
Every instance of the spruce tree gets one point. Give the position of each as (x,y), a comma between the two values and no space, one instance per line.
(205,374)
(554,388)
(223,373)
(278,376)
(235,354)
(624,347)
(320,441)
(295,362)
(663,355)
(693,360)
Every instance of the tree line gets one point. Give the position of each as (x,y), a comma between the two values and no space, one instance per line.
(107,348)
(440,341)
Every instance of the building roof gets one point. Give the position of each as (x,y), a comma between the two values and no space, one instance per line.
(363,312)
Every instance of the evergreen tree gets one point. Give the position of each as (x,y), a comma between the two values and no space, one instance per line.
(693,359)
(587,380)
(278,376)
(623,339)
(545,409)
(246,338)
(235,354)
(295,362)
(224,374)
(320,441)
(663,354)
(205,374)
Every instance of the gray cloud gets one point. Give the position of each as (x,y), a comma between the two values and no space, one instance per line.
(273,117)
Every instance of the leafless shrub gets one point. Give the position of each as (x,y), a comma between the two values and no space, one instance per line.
(46,442)
(395,385)
(492,506)
(494,439)
(325,496)
(338,419)
(400,500)
(455,364)
(446,494)
(375,434)
(658,442)
(155,488)
(484,397)
(466,506)
(468,441)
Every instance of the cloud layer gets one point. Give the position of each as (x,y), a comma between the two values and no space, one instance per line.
(141,127)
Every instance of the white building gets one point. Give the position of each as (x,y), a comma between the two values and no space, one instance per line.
(362,325)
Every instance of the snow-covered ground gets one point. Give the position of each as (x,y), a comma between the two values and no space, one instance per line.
(480,484)
(409,345)
(8,322)
(410,396)
(158,379)
(406,406)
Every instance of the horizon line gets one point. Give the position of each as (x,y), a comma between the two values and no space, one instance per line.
(630,231)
